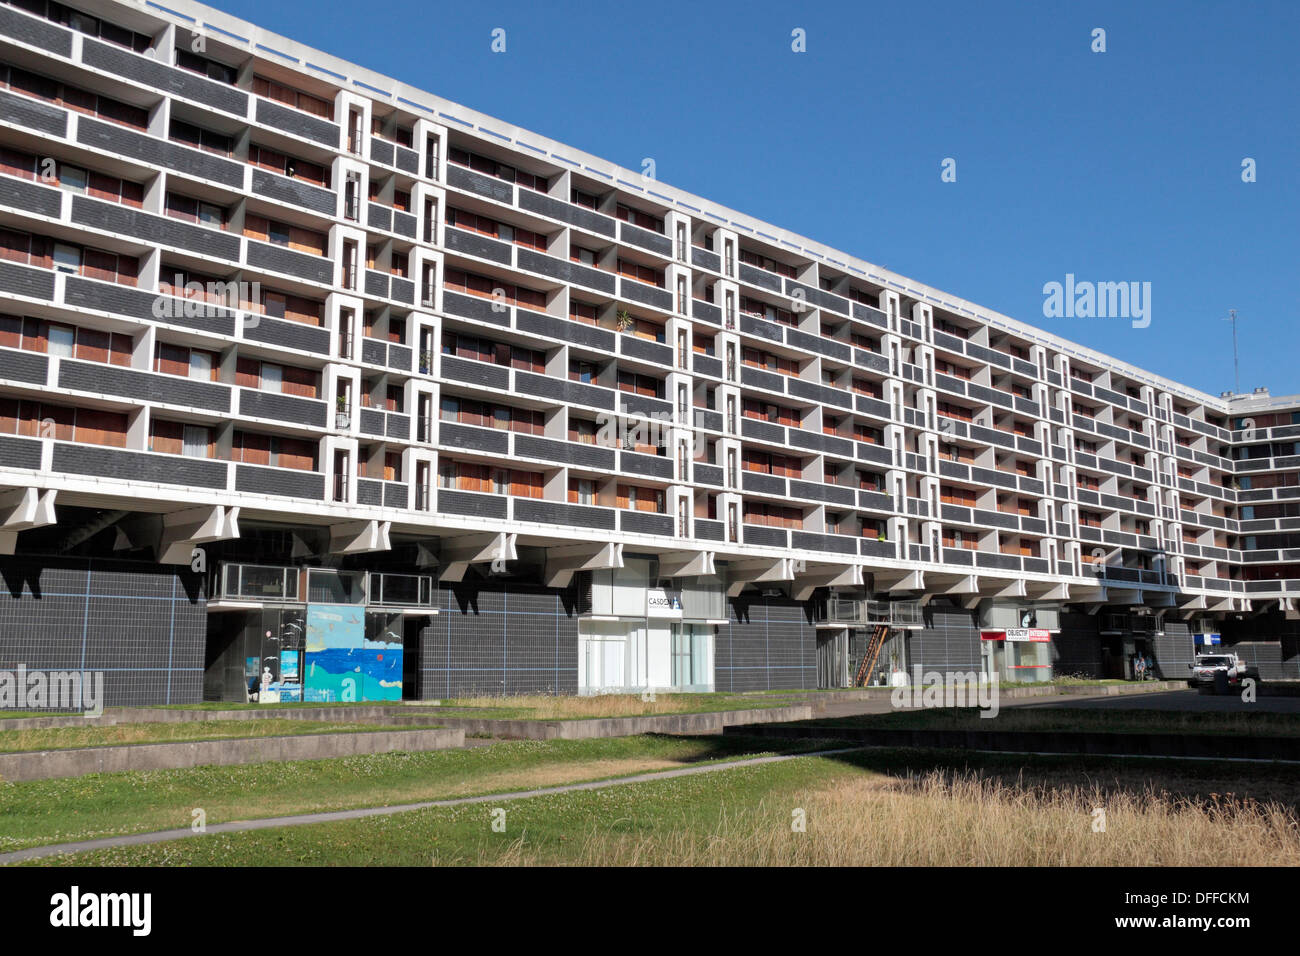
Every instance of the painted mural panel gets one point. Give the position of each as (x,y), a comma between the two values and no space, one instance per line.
(342,664)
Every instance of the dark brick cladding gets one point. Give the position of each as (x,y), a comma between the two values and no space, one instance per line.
(142,624)
(486,639)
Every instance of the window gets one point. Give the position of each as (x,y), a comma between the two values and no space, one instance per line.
(73,178)
(196,210)
(284,234)
(62,339)
(190,135)
(580,198)
(205,67)
(582,431)
(201,365)
(774,516)
(641,273)
(488,288)
(582,491)
(195,441)
(255,449)
(485,350)
(179,360)
(636,498)
(639,219)
(766,264)
(289,96)
(290,166)
(582,312)
(74,98)
(490,167)
(178,438)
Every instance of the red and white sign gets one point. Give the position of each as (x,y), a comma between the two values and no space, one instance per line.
(1017,634)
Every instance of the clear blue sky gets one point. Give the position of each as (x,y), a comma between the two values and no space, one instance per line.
(1115,166)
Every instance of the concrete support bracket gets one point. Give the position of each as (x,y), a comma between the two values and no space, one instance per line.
(22,509)
(562,563)
(841,575)
(686,564)
(753,572)
(359,537)
(182,531)
(493,549)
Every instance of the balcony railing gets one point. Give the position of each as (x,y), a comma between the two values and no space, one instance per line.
(399,590)
(256,582)
(862,612)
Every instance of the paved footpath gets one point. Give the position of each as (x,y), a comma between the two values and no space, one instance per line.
(240,826)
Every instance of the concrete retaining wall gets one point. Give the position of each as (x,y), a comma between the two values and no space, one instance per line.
(45,764)
(1054,742)
(397,714)
(713,723)
(1011,693)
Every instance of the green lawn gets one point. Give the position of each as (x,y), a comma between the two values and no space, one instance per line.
(56,811)
(866,807)
(463,835)
(104,735)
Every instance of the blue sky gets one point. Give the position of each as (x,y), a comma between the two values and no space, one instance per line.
(1115,166)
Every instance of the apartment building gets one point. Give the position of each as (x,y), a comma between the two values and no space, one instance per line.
(314,383)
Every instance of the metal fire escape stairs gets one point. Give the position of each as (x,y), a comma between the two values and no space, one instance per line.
(878,635)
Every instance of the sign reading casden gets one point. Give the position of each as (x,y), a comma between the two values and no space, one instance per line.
(660,602)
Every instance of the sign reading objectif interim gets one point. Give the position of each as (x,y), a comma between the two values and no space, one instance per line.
(1017,634)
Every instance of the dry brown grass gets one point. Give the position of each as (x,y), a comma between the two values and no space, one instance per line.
(953,819)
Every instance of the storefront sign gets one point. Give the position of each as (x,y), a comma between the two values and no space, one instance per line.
(660,602)
(1017,634)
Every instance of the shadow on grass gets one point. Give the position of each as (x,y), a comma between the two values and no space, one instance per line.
(1207,784)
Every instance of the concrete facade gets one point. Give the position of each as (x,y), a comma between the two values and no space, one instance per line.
(322,338)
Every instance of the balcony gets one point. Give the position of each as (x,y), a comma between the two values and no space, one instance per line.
(400,590)
(859,612)
(256,582)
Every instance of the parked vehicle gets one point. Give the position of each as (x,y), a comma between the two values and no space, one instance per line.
(1212,670)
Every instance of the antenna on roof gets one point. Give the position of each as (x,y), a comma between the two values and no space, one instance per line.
(1236,370)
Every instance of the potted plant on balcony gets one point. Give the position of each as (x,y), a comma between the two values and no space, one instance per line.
(341,417)
(623,321)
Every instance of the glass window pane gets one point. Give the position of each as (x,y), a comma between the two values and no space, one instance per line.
(195,442)
(73,177)
(67,258)
(200,365)
(61,340)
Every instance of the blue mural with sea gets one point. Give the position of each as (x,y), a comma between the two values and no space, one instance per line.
(342,665)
